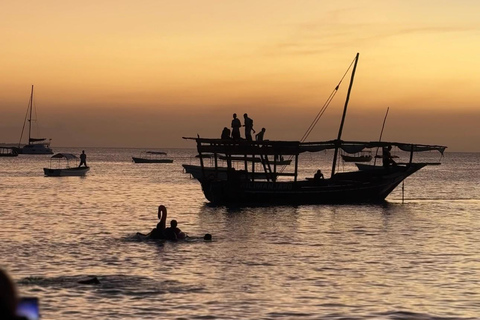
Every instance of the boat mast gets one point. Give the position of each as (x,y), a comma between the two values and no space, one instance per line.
(381,133)
(30,117)
(337,142)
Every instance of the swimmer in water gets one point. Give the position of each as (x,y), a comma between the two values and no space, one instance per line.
(173,232)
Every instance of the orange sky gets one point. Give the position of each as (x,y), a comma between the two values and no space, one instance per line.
(145,73)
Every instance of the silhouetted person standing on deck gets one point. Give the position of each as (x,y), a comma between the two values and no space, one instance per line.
(248,124)
(83,159)
(236,127)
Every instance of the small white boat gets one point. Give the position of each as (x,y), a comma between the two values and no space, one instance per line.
(152,157)
(60,166)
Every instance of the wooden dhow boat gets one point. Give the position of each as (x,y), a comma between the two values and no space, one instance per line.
(279,186)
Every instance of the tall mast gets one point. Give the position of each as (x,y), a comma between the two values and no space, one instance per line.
(337,142)
(381,133)
(30,117)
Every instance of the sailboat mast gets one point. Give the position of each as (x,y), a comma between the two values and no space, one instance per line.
(381,133)
(30,117)
(337,142)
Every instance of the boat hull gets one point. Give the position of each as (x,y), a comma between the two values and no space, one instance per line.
(35,149)
(143,160)
(66,172)
(356,158)
(351,187)
(210,172)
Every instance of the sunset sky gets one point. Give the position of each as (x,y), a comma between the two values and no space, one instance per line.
(145,73)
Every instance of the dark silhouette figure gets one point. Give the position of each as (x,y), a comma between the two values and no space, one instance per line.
(318,175)
(207,237)
(83,159)
(259,136)
(387,159)
(248,124)
(174,233)
(226,133)
(158,232)
(236,127)
(8,298)
(93,280)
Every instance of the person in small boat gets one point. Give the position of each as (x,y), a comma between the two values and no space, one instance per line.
(158,232)
(318,175)
(225,133)
(83,159)
(248,124)
(236,124)
(259,136)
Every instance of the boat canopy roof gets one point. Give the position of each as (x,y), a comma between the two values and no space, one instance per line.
(67,156)
(155,152)
(273,147)
(37,139)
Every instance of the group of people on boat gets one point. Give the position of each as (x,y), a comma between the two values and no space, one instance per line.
(235,132)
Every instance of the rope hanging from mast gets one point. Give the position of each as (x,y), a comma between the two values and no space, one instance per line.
(325,105)
(322,110)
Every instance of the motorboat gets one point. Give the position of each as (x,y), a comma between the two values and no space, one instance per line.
(152,157)
(60,166)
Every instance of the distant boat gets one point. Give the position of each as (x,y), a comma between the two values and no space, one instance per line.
(360,158)
(152,157)
(34,145)
(8,152)
(60,166)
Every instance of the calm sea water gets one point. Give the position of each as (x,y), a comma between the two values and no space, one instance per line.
(419,259)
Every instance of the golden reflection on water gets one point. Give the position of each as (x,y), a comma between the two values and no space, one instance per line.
(265,262)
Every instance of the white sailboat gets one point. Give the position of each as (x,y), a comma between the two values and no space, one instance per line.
(34,145)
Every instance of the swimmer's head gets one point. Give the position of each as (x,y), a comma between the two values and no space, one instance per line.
(207,237)
(173,223)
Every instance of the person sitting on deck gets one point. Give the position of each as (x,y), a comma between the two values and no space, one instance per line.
(318,175)
(225,133)
(259,136)
(387,158)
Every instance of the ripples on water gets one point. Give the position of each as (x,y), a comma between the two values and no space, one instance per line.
(417,260)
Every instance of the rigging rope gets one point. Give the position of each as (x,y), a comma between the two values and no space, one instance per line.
(322,111)
(325,105)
